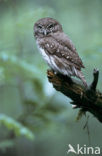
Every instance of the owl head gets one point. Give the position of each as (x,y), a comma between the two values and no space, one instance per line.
(46,26)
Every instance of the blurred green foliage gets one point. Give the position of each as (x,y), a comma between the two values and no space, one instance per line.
(18,129)
(29,106)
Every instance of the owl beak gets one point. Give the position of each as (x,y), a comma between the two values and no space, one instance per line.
(45,32)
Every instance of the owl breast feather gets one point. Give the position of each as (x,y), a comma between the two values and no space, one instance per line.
(47,58)
(51,61)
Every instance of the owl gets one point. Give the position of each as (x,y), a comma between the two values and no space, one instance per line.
(57,49)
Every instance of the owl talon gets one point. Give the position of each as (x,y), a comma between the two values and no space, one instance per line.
(55,72)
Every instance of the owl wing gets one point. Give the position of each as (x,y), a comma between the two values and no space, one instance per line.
(68,50)
(62,48)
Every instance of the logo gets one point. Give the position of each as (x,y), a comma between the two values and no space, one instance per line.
(83,150)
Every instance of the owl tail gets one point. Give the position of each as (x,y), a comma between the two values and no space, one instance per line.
(81,76)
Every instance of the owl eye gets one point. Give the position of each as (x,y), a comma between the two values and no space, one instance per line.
(50,26)
(39,26)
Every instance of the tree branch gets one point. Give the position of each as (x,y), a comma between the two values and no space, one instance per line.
(87,99)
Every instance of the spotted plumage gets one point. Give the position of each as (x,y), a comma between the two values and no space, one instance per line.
(57,49)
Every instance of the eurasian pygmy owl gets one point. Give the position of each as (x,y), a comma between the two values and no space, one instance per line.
(57,49)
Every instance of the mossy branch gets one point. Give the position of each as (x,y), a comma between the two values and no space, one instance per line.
(88,99)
